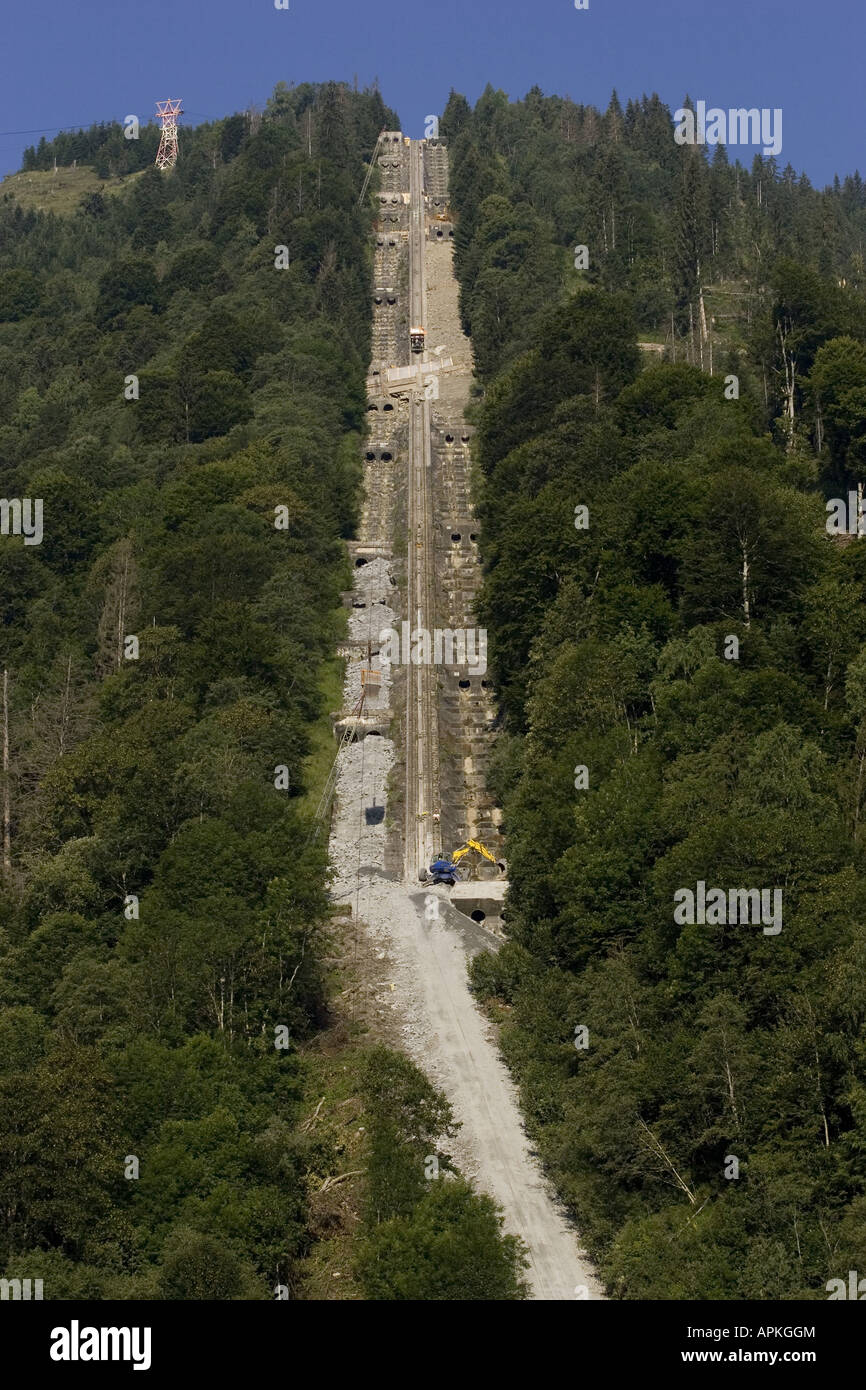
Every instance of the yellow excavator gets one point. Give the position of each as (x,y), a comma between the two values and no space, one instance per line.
(464,849)
(444,870)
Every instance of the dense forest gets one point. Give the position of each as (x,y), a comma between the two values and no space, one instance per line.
(679,647)
(680,651)
(182,385)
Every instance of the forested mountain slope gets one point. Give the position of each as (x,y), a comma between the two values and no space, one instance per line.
(191,416)
(682,674)
(537,178)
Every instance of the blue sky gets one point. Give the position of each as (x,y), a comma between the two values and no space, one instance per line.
(70,64)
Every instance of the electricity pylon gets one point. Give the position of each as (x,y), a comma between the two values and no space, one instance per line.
(168,112)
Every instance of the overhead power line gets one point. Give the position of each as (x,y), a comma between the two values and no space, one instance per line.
(85,125)
(51,129)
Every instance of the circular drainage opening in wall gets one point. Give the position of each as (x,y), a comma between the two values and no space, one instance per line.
(372,406)
(464,439)
(478,915)
(473,536)
(486,685)
(387,406)
(455,535)
(449,439)
(359,563)
(358,604)
(464,685)
(369,456)
(386,456)
(439,234)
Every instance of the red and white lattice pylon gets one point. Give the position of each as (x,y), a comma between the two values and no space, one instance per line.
(168,112)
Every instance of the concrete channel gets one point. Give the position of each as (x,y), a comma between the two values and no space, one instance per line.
(411,776)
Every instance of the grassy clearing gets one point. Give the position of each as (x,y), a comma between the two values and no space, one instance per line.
(60,190)
(323,745)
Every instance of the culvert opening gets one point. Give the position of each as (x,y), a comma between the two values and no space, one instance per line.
(388,406)
(369,456)
(372,407)
(359,604)
(359,563)
(440,234)
(485,685)
(386,456)
(455,535)
(464,685)
(473,536)
(478,915)
(449,439)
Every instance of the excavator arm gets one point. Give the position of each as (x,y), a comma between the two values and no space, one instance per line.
(464,849)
